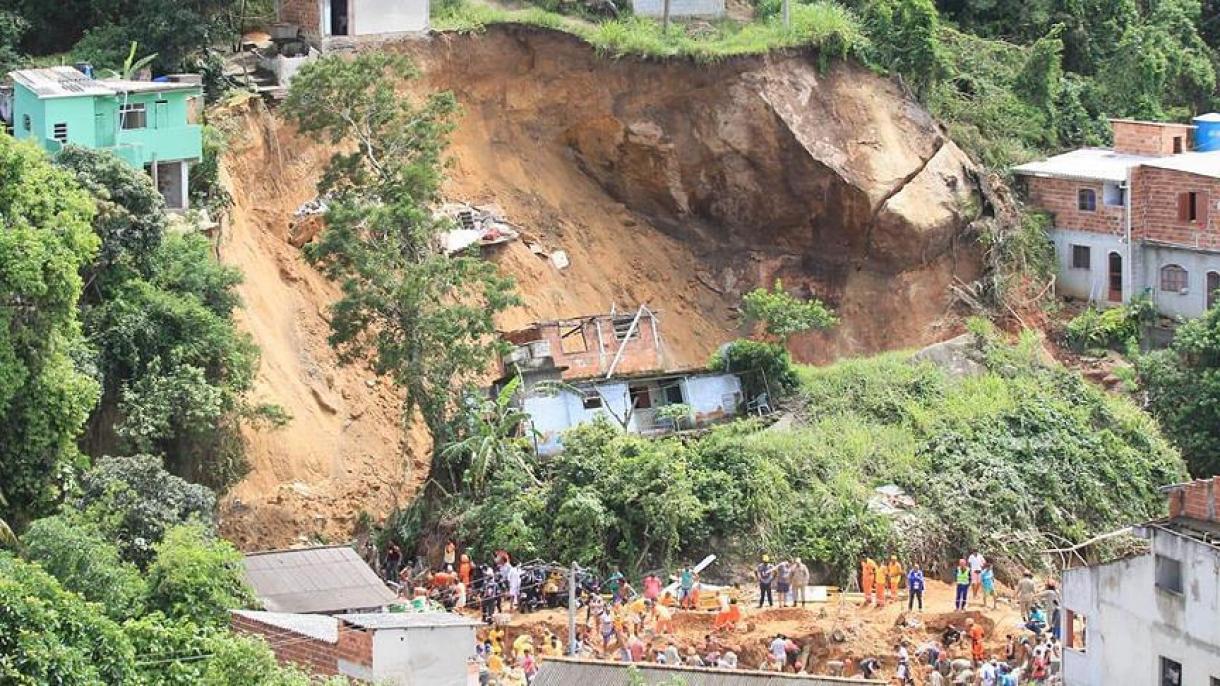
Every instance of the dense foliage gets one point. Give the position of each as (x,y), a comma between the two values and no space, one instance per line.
(1183,390)
(158,312)
(1023,456)
(44,396)
(423,317)
(783,315)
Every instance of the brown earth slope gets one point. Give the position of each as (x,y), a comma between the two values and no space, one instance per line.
(668,183)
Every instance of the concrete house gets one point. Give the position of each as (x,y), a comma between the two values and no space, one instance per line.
(320,21)
(399,648)
(1138,218)
(148,124)
(611,365)
(1152,618)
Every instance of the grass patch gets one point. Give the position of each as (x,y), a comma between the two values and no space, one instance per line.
(830,28)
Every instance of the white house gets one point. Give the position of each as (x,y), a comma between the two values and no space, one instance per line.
(323,20)
(1152,618)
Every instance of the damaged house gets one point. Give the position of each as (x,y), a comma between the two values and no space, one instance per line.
(610,365)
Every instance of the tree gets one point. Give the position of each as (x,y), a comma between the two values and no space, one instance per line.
(1182,384)
(52,636)
(782,315)
(197,577)
(12,27)
(425,318)
(44,397)
(76,553)
(491,438)
(134,501)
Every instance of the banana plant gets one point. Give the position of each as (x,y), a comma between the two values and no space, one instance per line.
(131,65)
(493,437)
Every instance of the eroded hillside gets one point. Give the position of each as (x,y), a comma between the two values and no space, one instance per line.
(673,184)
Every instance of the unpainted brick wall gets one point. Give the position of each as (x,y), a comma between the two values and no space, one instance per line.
(1155,208)
(311,654)
(1149,138)
(355,645)
(1060,198)
(303,13)
(1197,500)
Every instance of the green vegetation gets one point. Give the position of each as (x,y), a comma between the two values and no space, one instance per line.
(1120,328)
(1023,456)
(424,318)
(823,24)
(1183,390)
(782,315)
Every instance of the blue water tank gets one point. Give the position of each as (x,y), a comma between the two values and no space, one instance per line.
(1207,132)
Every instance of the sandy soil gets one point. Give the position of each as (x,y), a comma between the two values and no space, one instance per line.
(867,631)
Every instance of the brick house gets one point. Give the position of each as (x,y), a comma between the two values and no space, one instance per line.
(1151,617)
(323,21)
(612,365)
(1137,218)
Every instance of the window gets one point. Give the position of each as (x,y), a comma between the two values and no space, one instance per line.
(1080,257)
(1171,672)
(641,399)
(25,122)
(1213,285)
(672,395)
(133,116)
(1173,278)
(1216,681)
(1188,206)
(623,324)
(1177,145)
(592,401)
(1168,574)
(1086,200)
(1115,195)
(60,132)
(573,340)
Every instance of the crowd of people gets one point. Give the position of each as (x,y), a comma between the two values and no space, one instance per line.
(625,624)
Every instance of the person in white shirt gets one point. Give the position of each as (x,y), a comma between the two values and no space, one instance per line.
(988,673)
(976,561)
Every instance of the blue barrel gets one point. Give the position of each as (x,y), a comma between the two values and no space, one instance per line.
(1207,132)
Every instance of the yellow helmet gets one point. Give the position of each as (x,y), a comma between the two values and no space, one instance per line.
(766,558)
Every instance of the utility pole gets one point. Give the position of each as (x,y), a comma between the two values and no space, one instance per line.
(572,590)
(787,14)
(665,18)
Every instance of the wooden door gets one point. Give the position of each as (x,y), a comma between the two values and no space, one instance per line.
(1115,278)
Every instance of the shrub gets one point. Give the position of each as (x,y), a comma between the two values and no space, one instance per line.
(197,577)
(761,365)
(79,556)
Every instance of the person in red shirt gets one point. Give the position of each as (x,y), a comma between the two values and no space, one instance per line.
(652,587)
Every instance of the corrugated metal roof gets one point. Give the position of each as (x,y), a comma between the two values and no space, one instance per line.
(1094,164)
(321,627)
(328,579)
(67,82)
(568,671)
(1201,163)
(406,620)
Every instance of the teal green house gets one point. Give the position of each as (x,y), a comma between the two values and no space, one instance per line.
(149,124)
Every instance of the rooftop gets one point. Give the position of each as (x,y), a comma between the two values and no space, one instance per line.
(1200,530)
(565,671)
(67,82)
(321,627)
(1093,164)
(406,620)
(324,579)
(1201,163)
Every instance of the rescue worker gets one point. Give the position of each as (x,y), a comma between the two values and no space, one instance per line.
(881,580)
(868,572)
(895,573)
(962,578)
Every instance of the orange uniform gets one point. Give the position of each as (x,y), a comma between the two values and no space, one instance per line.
(868,574)
(976,642)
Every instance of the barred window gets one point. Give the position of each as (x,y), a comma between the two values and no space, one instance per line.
(1173,278)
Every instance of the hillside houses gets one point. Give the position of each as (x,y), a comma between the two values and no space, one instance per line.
(151,125)
(1141,217)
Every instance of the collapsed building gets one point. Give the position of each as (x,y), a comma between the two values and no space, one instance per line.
(610,365)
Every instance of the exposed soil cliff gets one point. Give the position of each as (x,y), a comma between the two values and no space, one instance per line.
(667,183)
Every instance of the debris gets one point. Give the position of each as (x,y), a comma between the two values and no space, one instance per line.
(482,225)
(310,207)
(537,249)
(890,500)
(559,258)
